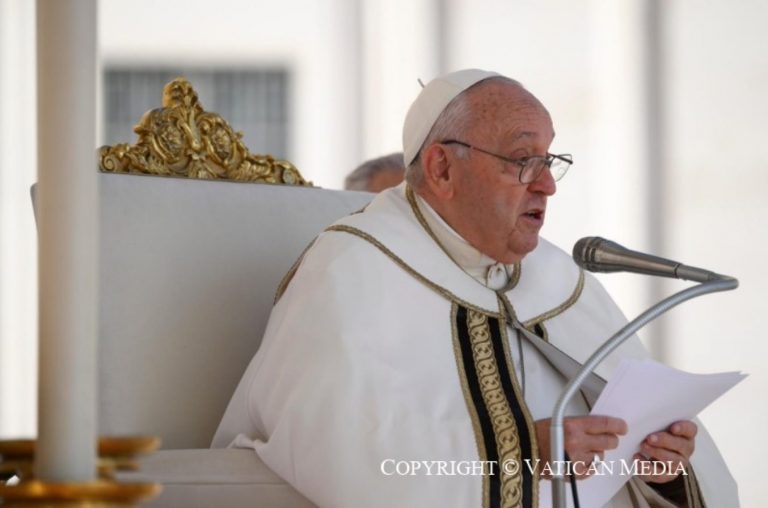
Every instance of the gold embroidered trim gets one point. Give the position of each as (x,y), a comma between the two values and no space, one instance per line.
(515,277)
(420,217)
(506,308)
(560,308)
(439,289)
(633,496)
(288,277)
(529,421)
(482,453)
(692,490)
(502,419)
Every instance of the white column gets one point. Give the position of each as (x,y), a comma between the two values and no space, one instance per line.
(657,180)
(401,44)
(68,211)
(620,178)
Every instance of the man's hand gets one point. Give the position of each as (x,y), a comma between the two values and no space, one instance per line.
(674,447)
(585,437)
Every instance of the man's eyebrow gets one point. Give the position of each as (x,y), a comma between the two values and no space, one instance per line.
(524,134)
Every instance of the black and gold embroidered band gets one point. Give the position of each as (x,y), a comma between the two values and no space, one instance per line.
(504,430)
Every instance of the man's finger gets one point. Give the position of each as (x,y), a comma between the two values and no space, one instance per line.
(682,445)
(663,454)
(606,425)
(684,428)
(600,442)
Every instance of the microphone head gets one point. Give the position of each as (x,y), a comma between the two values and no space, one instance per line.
(597,254)
(584,251)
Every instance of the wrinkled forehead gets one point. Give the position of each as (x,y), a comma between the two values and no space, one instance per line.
(504,99)
(505,104)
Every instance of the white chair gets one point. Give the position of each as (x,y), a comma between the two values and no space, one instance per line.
(188,274)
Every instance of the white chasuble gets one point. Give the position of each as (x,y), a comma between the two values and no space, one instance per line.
(388,377)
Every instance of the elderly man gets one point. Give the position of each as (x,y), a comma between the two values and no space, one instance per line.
(410,357)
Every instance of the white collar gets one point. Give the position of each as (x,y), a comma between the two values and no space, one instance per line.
(483,268)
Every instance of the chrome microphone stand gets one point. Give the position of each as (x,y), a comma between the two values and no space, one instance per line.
(556,432)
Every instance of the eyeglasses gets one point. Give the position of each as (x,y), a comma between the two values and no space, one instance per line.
(530,167)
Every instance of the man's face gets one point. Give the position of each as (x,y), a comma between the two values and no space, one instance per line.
(491,208)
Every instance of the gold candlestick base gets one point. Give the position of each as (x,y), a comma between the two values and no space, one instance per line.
(115,454)
(97,494)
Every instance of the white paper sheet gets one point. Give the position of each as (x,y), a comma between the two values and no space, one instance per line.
(650,397)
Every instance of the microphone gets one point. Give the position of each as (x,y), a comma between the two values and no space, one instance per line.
(600,255)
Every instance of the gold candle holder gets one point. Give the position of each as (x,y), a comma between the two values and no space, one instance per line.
(115,454)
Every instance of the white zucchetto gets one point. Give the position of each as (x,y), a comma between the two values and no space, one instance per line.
(430,102)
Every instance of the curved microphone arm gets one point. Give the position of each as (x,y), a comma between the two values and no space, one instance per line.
(556,436)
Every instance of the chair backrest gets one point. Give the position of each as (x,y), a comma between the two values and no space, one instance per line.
(188,273)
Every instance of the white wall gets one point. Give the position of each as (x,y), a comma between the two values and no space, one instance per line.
(718,77)
(18,254)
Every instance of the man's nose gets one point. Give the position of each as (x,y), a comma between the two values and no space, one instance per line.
(544,183)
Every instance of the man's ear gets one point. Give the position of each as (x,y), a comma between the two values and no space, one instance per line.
(436,163)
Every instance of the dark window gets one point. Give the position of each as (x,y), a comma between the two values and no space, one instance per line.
(254,102)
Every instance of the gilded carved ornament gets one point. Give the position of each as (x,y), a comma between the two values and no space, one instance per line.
(182,139)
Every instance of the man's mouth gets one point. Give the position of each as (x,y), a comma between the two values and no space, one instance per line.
(535,214)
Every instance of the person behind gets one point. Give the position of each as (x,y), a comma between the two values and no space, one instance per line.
(410,359)
(377,174)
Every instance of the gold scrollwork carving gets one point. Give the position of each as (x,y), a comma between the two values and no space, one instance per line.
(182,139)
